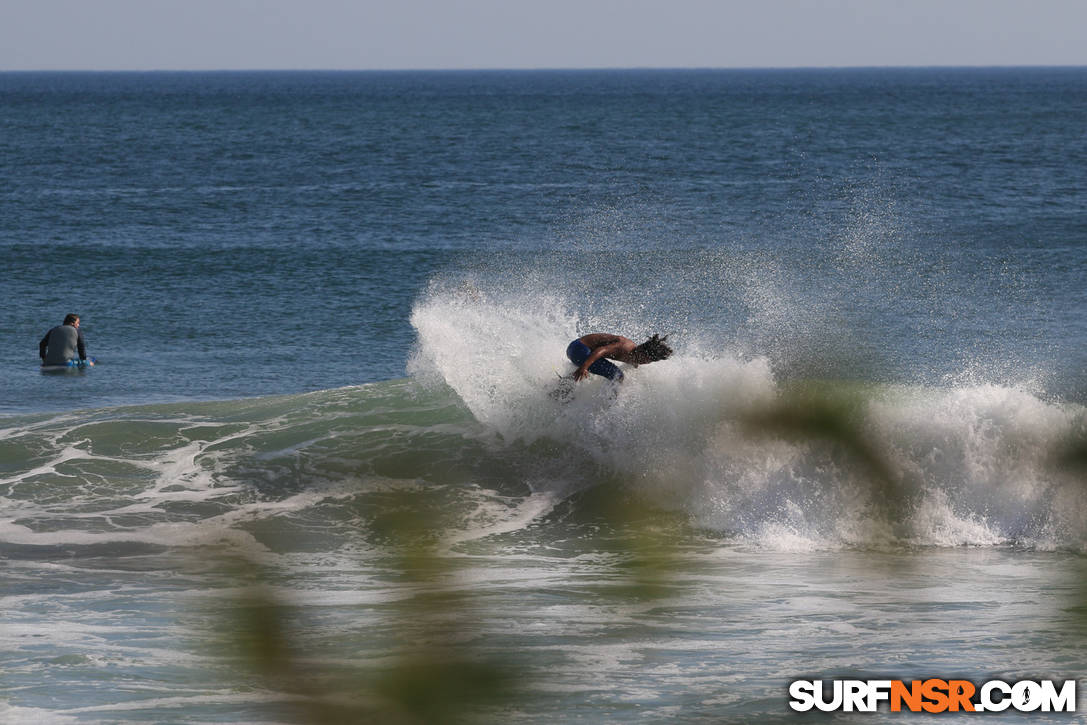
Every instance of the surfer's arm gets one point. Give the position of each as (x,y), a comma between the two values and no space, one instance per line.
(602,351)
(80,347)
(43,345)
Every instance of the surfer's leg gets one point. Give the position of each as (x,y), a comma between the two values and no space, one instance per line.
(607,369)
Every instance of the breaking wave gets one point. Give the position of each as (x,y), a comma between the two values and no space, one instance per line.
(972,464)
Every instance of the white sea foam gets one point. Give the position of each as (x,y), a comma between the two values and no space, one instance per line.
(974,463)
(39,716)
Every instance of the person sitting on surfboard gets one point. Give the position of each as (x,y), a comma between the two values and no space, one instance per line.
(593,354)
(62,342)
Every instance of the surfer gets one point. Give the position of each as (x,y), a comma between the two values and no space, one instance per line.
(63,342)
(593,353)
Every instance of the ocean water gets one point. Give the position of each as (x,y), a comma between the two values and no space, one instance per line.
(317,474)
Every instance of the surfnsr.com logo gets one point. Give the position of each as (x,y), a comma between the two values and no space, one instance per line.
(933,695)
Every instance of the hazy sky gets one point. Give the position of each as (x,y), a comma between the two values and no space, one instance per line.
(368,34)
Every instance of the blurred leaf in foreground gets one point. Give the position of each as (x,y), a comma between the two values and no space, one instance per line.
(835,416)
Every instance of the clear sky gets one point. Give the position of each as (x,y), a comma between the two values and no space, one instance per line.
(411,34)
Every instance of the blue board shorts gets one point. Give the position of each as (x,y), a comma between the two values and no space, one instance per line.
(578,352)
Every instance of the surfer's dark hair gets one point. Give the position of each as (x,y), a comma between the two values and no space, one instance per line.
(654,349)
(70,318)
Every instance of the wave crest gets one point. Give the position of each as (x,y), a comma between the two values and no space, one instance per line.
(965,465)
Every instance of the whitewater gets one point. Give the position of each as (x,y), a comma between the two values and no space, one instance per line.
(979,464)
(120,524)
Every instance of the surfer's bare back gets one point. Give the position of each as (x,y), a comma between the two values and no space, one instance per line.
(592,353)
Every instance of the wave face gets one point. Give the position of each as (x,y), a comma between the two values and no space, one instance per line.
(477,429)
(976,464)
(115,521)
(244,473)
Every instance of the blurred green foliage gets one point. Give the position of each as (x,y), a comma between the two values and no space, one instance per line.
(834,415)
(442,676)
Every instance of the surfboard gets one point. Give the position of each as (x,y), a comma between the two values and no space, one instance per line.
(71,366)
(564,391)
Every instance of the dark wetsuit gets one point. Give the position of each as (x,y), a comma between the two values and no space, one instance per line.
(578,352)
(61,344)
